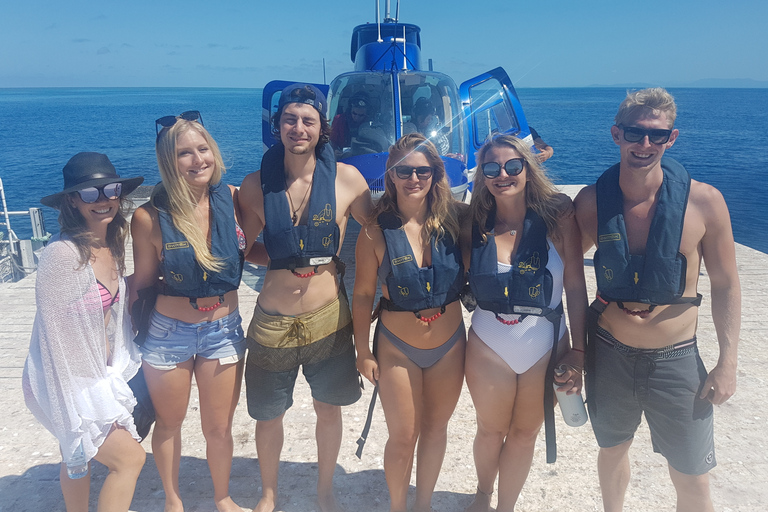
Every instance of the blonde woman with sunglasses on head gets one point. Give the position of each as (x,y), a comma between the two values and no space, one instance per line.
(81,355)
(522,249)
(187,235)
(411,245)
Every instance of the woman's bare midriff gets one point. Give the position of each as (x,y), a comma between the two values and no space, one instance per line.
(419,334)
(179,308)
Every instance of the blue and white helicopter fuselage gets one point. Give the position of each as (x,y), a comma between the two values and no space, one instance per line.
(389,94)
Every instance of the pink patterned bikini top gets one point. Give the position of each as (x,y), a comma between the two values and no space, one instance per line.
(107,299)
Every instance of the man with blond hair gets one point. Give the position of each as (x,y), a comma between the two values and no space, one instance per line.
(653,225)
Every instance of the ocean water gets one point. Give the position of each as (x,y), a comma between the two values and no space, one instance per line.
(723,138)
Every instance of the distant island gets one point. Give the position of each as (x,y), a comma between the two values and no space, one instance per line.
(708,83)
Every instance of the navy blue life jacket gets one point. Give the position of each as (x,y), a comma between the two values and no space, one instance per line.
(658,277)
(412,288)
(182,274)
(527,287)
(310,245)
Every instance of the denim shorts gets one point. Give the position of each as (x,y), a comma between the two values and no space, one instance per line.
(170,341)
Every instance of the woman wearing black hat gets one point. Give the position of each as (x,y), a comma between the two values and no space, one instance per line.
(187,235)
(81,354)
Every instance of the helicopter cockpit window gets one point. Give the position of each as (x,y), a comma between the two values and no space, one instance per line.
(491,114)
(361,113)
(430,105)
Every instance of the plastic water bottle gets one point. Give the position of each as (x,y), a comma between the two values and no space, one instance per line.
(77,467)
(572,406)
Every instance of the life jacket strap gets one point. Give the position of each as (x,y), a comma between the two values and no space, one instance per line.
(391,306)
(372,405)
(696,301)
(193,303)
(554,315)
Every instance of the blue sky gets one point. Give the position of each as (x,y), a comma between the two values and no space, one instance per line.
(246,43)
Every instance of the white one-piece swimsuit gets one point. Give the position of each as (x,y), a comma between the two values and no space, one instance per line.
(523,344)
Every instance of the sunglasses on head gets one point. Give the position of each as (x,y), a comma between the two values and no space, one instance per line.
(168,121)
(655,136)
(91,194)
(404,172)
(513,167)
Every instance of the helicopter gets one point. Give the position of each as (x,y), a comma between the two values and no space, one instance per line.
(389,94)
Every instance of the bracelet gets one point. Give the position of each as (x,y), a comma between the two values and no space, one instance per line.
(578,350)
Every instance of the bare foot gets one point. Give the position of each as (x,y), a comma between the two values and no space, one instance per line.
(326,502)
(266,504)
(175,506)
(227,505)
(481,503)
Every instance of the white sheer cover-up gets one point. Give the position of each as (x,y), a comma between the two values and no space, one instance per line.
(67,383)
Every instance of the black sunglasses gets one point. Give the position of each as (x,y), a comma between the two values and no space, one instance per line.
(655,136)
(168,121)
(91,194)
(513,167)
(405,172)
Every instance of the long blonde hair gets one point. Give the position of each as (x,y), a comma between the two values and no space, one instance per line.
(181,203)
(442,217)
(540,192)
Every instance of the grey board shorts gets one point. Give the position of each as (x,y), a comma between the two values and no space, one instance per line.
(665,385)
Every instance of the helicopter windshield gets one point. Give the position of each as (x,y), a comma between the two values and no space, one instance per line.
(429,104)
(362,113)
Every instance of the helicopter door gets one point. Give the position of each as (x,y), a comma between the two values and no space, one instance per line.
(491,107)
(270,96)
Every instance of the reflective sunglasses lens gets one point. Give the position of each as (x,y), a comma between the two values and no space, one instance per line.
(166,121)
(633,134)
(659,136)
(424,172)
(491,169)
(514,166)
(89,195)
(190,115)
(403,171)
(113,190)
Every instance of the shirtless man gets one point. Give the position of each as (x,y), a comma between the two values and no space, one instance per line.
(642,348)
(302,199)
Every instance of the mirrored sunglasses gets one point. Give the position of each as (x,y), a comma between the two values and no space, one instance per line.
(405,172)
(110,191)
(655,136)
(513,167)
(168,121)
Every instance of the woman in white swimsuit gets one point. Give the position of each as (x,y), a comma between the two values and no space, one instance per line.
(411,243)
(519,226)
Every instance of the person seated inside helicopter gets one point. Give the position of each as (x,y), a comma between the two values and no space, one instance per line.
(346,124)
(425,121)
(359,129)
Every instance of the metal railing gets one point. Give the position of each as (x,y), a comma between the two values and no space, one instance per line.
(17,258)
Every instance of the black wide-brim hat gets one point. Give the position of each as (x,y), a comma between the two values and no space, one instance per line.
(86,170)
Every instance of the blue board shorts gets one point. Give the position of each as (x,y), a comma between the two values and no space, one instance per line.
(320,342)
(662,383)
(170,342)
